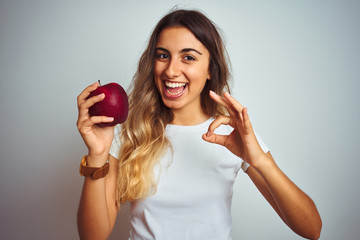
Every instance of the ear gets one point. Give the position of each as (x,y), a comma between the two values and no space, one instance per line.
(208,76)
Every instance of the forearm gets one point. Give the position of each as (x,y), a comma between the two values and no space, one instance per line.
(296,208)
(93,215)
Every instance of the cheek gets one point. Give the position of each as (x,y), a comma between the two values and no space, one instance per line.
(159,69)
(201,74)
(157,79)
(156,71)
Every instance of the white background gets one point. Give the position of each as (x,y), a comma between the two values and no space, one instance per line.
(295,65)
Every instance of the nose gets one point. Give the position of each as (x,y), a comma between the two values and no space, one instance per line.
(173,69)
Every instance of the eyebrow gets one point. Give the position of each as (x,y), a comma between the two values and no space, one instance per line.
(182,51)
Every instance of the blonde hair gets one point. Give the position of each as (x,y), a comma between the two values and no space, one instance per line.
(143,139)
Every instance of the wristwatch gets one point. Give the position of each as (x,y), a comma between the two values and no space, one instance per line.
(93,172)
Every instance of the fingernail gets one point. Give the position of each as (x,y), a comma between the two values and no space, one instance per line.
(111,119)
(208,134)
(101,95)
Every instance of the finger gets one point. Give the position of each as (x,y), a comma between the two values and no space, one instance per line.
(86,92)
(221,120)
(87,124)
(235,104)
(246,122)
(101,119)
(84,107)
(91,101)
(216,138)
(222,101)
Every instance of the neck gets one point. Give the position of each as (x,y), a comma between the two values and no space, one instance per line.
(186,118)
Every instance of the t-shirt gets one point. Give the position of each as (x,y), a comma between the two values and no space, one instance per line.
(194,191)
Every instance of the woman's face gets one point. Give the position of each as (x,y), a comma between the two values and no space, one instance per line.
(181,69)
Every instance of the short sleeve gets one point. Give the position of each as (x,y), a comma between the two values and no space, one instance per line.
(264,147)
(115,145)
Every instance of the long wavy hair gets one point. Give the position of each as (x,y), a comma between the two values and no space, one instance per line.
(143,139)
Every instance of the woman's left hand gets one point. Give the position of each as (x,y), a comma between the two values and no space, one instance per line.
(242,140)
(296,209)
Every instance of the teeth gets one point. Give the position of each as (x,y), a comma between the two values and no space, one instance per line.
(174,85)
(175,93)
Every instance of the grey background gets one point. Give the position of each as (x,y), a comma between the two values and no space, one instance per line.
(295,66)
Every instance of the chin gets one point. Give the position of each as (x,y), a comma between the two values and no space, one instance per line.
(172,105)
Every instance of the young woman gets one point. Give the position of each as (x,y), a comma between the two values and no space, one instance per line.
(176,157)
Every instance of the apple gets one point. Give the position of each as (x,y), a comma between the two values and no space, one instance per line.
(115,104)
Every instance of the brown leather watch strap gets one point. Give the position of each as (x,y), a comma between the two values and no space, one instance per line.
(93,172)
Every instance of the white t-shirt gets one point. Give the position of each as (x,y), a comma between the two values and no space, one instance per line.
(195,189)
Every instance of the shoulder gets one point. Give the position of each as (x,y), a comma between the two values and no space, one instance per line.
(115,145)
(117,129)
(117,133)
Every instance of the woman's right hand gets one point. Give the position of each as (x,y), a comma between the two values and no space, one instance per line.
(98,140)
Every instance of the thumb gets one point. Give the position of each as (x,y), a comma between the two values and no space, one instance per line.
(215,138)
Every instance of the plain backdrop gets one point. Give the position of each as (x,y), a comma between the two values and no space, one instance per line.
(295,65)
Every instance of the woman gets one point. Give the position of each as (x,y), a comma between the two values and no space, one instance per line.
(162,159)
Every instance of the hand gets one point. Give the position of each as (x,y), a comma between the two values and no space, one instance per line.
(98,140)
(242,140)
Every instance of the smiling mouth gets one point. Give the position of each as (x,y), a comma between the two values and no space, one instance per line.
(174,89)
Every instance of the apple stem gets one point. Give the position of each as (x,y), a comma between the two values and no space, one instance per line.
(99,83)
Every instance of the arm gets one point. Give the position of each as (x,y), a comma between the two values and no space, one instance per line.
(294,207)
(97,210)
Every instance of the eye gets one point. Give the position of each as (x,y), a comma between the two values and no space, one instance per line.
(162,56)
(189,58)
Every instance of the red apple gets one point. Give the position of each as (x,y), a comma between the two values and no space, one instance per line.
(115,104)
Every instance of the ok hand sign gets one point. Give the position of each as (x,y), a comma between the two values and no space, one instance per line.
(242,140)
